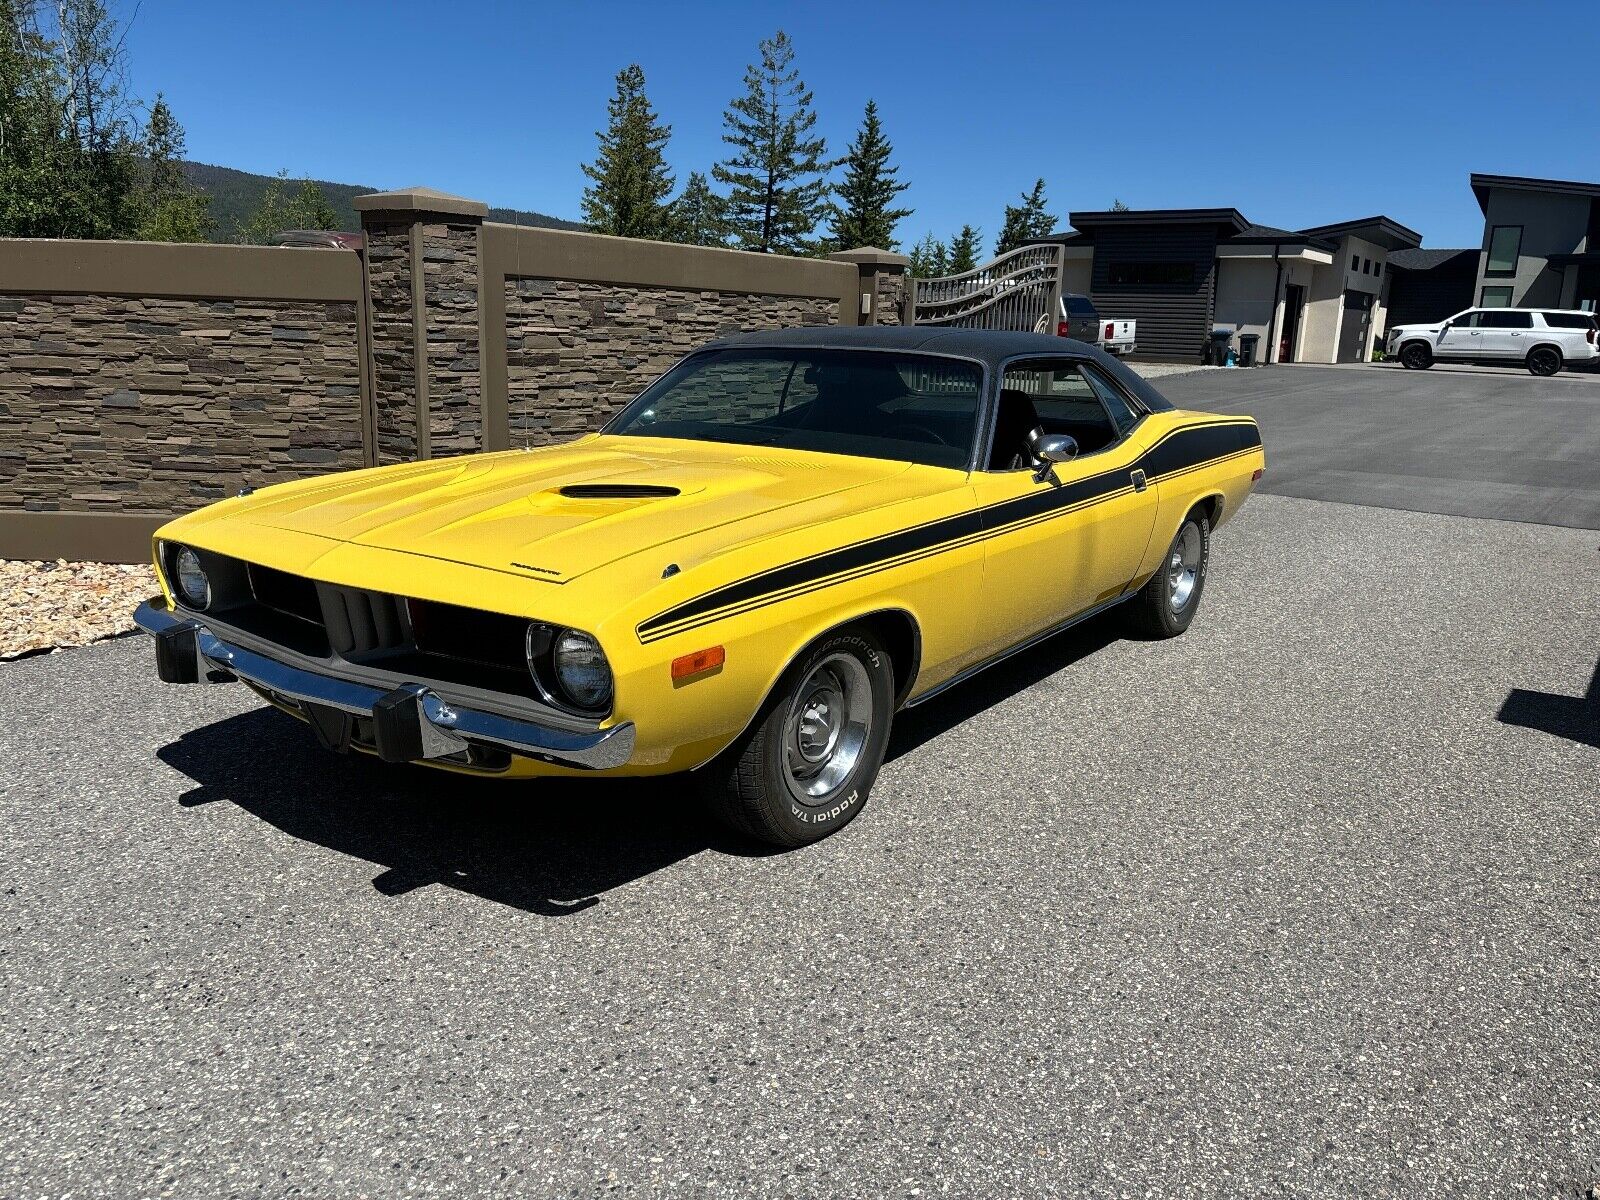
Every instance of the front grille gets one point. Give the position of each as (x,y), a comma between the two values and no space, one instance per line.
(418,639)
(362,623)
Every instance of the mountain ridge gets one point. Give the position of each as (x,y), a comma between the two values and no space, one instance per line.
(235,194)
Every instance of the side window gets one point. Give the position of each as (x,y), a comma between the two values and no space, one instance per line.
(1052,396)
(1465,321)
(1122,414)
(1561,320)
(1506,319)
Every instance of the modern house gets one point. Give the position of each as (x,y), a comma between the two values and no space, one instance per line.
(1310,295)
(1541,246)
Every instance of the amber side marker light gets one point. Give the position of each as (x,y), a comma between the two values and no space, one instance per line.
(698,663)
(1257,474)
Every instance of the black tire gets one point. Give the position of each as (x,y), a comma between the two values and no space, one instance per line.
(1415,356)
(1544,361)
(751,786)
(1155,612)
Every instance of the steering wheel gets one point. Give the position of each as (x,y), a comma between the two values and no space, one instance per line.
(928,435)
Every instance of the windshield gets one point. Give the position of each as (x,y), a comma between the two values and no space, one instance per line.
(907,407)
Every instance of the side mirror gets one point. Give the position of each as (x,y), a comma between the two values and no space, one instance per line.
(1050,449)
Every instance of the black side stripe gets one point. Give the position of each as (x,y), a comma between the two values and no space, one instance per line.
(1179,451)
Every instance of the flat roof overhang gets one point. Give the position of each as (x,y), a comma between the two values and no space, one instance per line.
(1286,252)
(1230,219)
(1379,230)
(1483,184)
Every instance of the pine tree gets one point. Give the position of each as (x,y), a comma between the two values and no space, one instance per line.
(862,216)
(631,182)
(1119,206)
(777,177)
(1025,221)
(929,258)
(697,217)
(964,251)
(172,209)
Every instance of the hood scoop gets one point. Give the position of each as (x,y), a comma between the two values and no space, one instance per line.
(618,491)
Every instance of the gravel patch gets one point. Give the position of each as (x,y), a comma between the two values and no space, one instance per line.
(52,605)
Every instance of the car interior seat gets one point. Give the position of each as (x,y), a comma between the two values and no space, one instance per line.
(1015,428)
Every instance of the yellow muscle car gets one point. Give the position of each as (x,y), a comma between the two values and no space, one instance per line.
(779,543)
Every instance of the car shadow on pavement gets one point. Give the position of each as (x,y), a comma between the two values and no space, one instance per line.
(1576,718)
(914,726)
(550,846)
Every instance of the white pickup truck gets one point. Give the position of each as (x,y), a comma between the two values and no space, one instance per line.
(1080,319)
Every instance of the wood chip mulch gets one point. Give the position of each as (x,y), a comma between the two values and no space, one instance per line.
(53,605)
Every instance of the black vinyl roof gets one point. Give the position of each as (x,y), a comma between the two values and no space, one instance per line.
(990,347)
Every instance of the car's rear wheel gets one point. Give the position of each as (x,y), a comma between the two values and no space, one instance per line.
(1167,603)
(804,767)
(1544,360)
(1415,356)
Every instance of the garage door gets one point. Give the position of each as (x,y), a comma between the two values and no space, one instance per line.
(1353,329)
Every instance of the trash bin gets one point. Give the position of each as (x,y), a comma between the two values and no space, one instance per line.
(1247,349)
(1217,347)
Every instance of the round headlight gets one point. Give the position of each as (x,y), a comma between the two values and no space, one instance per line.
(193,586)
(581,669)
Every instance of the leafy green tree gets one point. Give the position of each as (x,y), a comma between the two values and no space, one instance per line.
(697,217)
(1119,206)
(929,258)
(631,182)
(1026,221)
(777,176)
(67,157)
(964,250)
(172,209)
(308,208)
(862,214)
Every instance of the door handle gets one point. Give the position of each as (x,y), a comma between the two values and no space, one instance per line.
(1139,481)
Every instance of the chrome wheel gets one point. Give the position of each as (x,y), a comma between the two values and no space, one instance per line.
(1183,569)
(828,722)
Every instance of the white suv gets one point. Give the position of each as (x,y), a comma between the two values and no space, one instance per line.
(1542,339)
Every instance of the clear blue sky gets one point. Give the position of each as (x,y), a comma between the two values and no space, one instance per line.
(1322,111)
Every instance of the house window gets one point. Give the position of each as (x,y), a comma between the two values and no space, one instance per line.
(1377,269)
(1355,263)
(1366,267)
(1496,297)
(1148,273)
(1505,242)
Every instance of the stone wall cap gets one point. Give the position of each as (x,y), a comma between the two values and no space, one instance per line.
(421,200)
(871,256)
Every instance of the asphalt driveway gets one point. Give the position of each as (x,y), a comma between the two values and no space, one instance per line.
(1304,902)
(1474,441)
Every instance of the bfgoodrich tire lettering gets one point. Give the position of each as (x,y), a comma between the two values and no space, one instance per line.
(804,767)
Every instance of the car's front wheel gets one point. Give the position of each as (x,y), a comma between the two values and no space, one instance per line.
(1415,356)
(1544,360)
(804,767)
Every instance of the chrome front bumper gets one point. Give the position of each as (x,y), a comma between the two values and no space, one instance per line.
(409,722)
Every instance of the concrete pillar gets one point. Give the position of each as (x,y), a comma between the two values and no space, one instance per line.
(422,254)
(885,285)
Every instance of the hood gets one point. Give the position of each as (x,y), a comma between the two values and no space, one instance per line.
(562,511)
